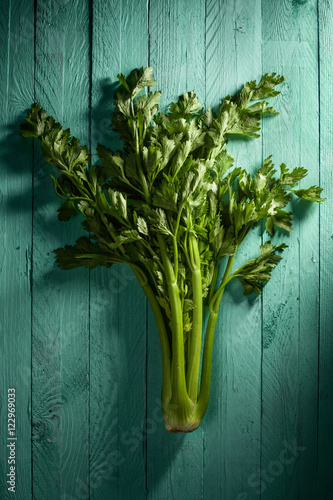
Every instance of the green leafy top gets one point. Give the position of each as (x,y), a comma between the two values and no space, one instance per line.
(174,179)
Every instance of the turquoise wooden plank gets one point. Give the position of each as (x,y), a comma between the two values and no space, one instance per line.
(281,308)
(177,54)
(127,438)
(104,319)
(60,300)
(307,217)
(16,83)
(118,305)
(232,425)
(288,468)
(103,440)
(325,402)
(133,326)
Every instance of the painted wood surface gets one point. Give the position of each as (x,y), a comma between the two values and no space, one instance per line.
(178,56)
(233,32)
(60,305)
(325,365)
(17,89)
(118,316)
(80,348)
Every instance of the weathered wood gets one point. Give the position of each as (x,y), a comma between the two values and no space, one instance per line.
(325,388)
(118,305)
(97,428)
(232,424)
(290,309)
(60,300)
(177,53)
(16,94)
(307,218)
(104,355)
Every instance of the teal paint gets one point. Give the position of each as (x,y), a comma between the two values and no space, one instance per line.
(16,82)
(325,395)
(118,317)
(233,52)
(178,56)
(60,341)
(95,382)
(104,318)
(289,367)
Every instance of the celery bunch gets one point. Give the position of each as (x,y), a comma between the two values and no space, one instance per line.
(172,206)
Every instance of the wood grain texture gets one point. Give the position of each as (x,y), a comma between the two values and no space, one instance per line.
(94,429)
(307,218)
(290,312)
(232,424)
(281,308)
(60,300)
(325,399)
(132,403)
(16,84)
(290,20)
(118,308)
(104,319)
(177,54)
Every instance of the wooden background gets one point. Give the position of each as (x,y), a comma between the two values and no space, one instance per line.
(82,348)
